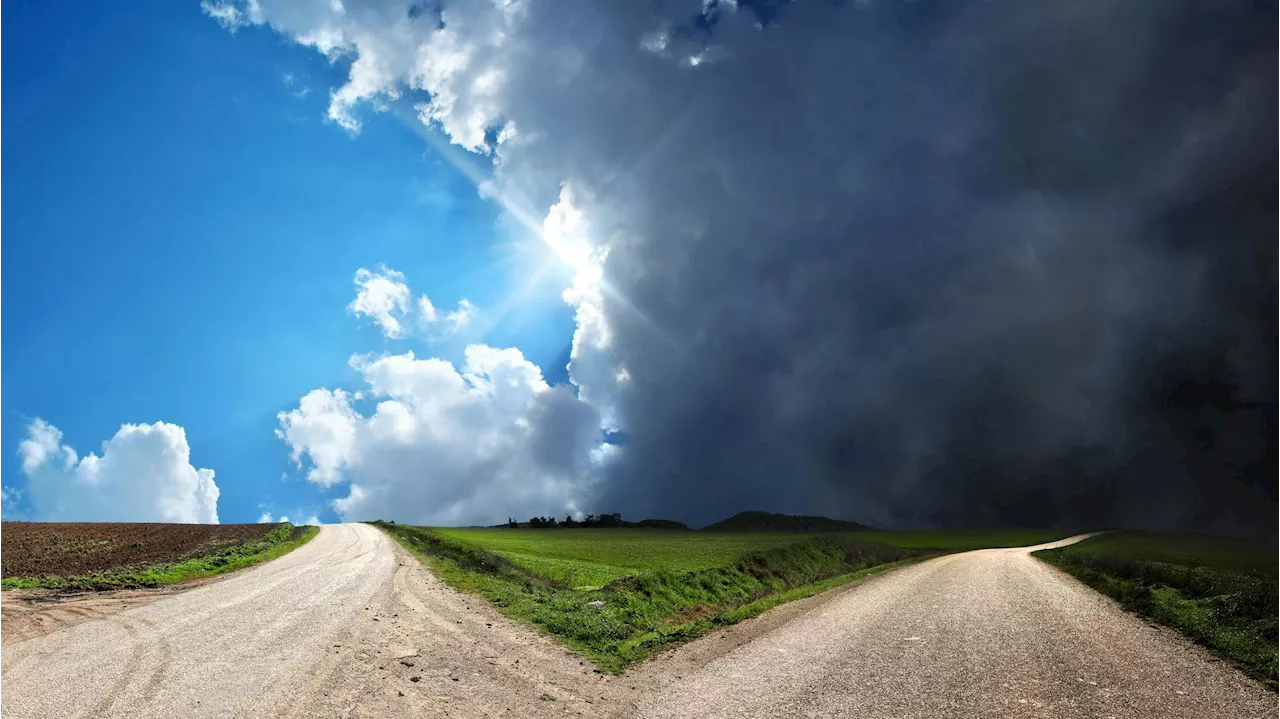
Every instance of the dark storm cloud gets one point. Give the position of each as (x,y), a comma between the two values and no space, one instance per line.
(983,264)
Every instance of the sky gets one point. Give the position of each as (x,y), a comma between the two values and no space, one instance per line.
(912,264)
(181,232)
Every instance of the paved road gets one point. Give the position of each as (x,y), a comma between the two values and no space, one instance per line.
(991,633)
(340,627)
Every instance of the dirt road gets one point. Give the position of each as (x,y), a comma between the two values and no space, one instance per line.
(991,633)
(348,625)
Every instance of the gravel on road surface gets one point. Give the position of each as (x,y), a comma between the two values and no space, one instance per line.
(348,625)
(988,633)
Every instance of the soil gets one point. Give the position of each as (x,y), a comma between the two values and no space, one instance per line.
(29,613)
(72,549)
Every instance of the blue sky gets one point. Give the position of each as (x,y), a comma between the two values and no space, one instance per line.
(181,227)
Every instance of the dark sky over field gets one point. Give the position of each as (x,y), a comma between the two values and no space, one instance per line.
(967,264)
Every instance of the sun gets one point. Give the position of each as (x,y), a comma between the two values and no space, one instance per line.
(565,231)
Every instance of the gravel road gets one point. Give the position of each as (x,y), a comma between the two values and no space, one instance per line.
(350,625)
(990,633)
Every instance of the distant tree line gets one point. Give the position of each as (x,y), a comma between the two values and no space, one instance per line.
(591,520)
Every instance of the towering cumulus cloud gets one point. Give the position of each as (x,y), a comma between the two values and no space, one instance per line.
(144,475)
(909,262)
(425,441)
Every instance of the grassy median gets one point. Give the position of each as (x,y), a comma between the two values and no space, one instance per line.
(1220,592)
(618,595)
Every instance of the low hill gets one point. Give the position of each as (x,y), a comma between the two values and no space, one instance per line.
(659,524)
(615,523)
(770,522)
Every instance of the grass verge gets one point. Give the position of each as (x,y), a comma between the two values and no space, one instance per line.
(1220,592)
(647,610)
(275,543)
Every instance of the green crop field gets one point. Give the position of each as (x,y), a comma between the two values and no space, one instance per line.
(592,558)
(656,588)
(1220,592)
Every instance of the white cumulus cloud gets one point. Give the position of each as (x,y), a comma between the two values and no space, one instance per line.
(233,16)
(426,310)
(459,318)
(143,475)
(446,445)
(592,366)
(383,297)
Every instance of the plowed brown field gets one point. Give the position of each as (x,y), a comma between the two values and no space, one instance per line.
(72,549)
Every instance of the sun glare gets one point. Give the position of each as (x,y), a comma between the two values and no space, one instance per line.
(564,231)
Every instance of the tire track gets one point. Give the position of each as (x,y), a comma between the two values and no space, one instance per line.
(131,666)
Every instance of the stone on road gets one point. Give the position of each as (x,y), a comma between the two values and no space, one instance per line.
(990,633)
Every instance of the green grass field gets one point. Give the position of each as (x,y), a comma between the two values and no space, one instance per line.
(1220,592)
(663,587)
(588,559)
(957,540)
(591,558)
(279,541)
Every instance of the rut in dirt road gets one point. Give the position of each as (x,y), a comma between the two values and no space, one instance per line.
(348,625)
(991,633)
